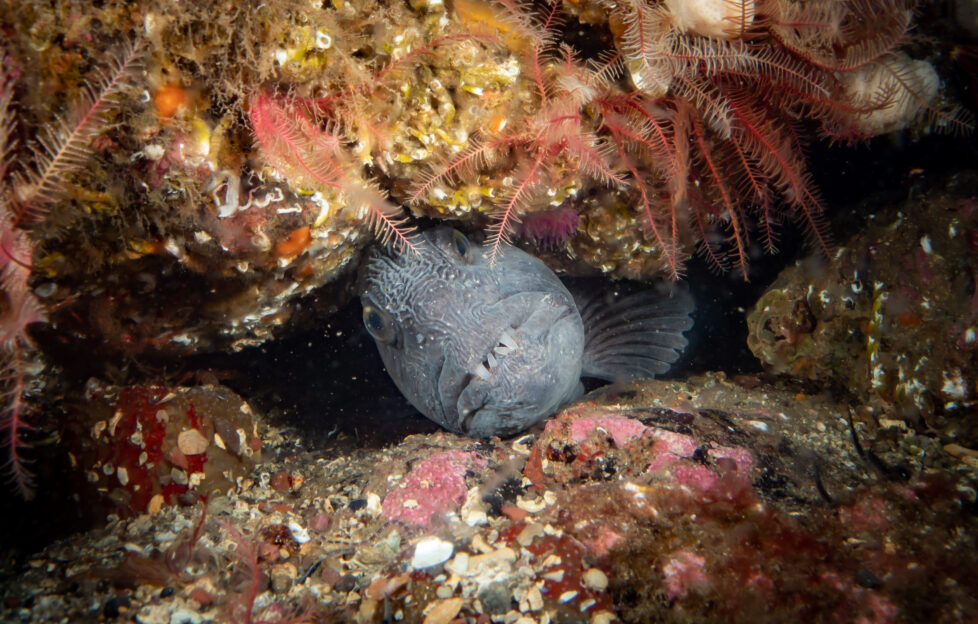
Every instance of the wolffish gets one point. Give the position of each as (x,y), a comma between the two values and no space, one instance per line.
(489,350)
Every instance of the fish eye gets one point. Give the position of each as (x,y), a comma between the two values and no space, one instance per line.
(378,323)
(462,245)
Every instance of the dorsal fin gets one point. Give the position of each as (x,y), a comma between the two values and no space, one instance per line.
(638,334)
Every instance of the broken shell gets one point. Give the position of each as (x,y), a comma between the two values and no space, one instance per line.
(431,551)
(532,506)
(192,442)
(595,579)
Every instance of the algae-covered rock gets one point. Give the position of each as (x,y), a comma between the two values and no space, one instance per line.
(653,501)
(892,317)
(140,448)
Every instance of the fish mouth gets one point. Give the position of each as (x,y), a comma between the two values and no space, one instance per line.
(532,326)
(489,402)
(521,327)
(505,344)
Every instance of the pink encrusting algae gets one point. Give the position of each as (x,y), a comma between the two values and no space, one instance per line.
(434,487)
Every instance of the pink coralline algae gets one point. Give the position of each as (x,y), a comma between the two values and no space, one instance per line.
(601,539)
(620,428)
(867,515)
(684,572)
(699,479)
(740,458)
(668,446)
(434,487)
(875,609)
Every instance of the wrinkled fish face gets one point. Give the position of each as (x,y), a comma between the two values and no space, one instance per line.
(481,351)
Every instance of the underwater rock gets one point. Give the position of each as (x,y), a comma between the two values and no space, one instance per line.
(138,448)
(892,317)
(434,487)
(735,494)
(702,434)
(243,173)
(654,501)
(225,198)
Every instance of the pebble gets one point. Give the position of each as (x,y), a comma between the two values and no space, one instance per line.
(496,598)
(524,445)
(431,551)
(155,504)
(373,503)
(280,481)
(532,506)
(603,617)
(444,591)
(283,576)
(595,579)
(459,565)
(479,543)
(551,561)
(567,596)
(192,442)
(184,616)
(497,560)
(529,532)
(474,517)
(154,614)
(442,611)
(298,532)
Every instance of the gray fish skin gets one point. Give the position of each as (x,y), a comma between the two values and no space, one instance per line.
(491,350)
(481,351)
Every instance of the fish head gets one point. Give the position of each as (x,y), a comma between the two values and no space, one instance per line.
(480,348)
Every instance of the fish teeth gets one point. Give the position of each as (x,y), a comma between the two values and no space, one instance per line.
(482,372)
(505,345)
(506,341)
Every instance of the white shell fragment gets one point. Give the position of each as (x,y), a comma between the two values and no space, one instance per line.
(595,579)
(299,533)
(192,442)
(431,551)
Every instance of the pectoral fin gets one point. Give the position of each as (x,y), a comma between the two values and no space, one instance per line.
(633,335)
